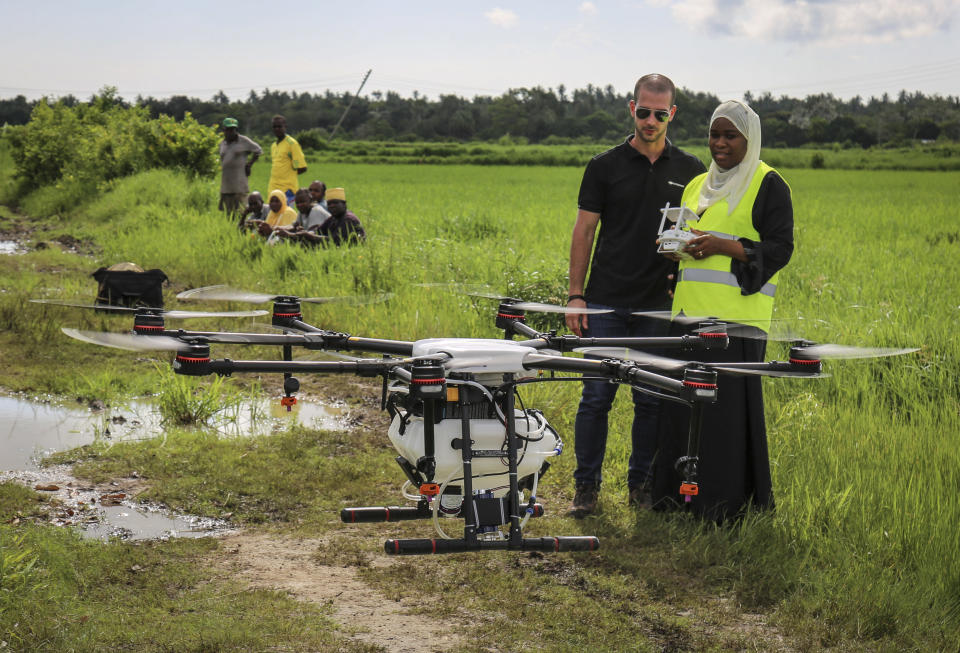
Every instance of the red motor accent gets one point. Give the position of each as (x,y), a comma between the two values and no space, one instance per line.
(697,384)
(190,359)
(428,381)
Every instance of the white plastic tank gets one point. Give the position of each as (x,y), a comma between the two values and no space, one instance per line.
(486,434)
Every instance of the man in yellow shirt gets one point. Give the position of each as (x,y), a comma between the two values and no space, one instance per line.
(288,161)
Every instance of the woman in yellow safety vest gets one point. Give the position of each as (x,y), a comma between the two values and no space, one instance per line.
(744,237)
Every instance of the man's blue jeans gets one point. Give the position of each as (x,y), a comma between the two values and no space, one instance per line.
(590,428)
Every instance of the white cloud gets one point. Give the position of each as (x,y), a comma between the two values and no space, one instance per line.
(501,17)
(588,8)
(817,21)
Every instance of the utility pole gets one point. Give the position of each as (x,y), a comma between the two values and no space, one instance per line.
(337,126)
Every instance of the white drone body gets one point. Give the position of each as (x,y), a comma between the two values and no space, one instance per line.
(482,364)
(674,240)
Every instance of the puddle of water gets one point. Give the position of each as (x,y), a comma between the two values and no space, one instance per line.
(141,523)
(10,247)
(29,430)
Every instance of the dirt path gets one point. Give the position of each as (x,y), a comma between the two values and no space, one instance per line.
(289,564)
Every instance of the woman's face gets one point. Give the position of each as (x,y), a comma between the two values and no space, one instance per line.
(275,204)
(727,145)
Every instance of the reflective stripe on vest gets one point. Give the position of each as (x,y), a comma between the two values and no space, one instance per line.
(707,286)
(726,278)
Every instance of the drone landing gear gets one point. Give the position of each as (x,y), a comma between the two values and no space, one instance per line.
(482,512)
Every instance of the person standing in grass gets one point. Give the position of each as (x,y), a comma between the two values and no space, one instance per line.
(622,191)
(288,161)
(744,237)
(237,156)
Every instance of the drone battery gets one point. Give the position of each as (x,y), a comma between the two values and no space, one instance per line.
(490,511)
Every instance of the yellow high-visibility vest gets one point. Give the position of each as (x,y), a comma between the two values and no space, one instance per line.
(707,287)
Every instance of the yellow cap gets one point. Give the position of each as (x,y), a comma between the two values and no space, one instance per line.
(336,194)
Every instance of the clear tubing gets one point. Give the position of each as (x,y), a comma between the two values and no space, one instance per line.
(435,504)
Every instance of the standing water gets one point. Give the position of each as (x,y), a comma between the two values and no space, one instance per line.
(30,430)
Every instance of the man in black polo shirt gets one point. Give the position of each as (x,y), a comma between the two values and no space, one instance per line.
(623,190)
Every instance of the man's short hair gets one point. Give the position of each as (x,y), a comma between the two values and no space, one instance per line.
(656,83)
(303,192)
(279,117)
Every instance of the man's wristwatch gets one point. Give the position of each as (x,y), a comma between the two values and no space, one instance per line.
(570,298)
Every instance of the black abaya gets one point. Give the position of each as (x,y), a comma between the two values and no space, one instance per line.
(734,468)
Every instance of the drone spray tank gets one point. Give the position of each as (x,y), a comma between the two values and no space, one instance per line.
(436,429)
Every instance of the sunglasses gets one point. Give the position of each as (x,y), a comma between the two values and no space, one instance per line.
(642,113)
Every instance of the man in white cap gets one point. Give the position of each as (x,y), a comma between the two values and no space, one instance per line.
(342,226)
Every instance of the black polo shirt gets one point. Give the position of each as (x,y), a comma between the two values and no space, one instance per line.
(628,192)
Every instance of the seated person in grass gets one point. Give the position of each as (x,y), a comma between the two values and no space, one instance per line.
(318,190)
(342,226)
(256,210)
(309,219)
(280,215)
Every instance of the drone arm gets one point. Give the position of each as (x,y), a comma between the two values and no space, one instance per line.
(796,367)
(615,369)
(227,366)
(521,329)
(303,326)
(355,343)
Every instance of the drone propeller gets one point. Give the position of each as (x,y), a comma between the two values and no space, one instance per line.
(170,314)
(554,308)
(808,350)
(740,371)
(828,351)
(127,341)
(623,353)
(539,307)
(742,330)
(226,293)
(672,364)
(734,327)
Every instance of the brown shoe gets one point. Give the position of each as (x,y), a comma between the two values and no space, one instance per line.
(640,497)
(584,501)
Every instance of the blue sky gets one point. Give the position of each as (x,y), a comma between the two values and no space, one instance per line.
(727,47)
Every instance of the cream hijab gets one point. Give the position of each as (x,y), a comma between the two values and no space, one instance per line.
(733,183)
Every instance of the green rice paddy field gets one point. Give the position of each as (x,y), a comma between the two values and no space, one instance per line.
(863,550)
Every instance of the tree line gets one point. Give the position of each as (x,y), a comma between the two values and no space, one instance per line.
(549,116)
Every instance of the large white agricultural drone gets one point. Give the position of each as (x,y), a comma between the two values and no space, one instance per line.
(466,448)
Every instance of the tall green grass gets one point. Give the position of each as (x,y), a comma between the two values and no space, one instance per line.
(865,462)
(933,156)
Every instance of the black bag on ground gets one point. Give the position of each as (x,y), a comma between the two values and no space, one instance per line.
(127,284)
